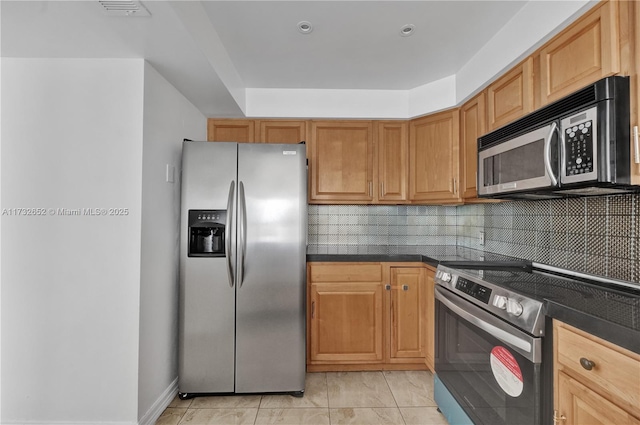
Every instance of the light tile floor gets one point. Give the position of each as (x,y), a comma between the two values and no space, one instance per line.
(332,398)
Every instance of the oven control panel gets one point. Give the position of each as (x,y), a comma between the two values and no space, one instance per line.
(494,297)
(477,291)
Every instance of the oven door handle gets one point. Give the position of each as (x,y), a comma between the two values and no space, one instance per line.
(524,344)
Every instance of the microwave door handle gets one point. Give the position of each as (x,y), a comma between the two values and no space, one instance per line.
(228,233)
(547,154)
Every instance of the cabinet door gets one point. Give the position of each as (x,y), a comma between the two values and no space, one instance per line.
(230,130)
(582,54)
(407,312)
(430,319)
(578,405)
(341,159)
(434,158)
(346,322)
(635,99)
(281,131)
(472,126)
(511,96)
(391,150)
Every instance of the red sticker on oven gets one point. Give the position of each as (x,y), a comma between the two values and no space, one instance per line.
(506,371)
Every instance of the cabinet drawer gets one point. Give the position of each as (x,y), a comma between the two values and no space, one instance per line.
(347,272)
(614,374)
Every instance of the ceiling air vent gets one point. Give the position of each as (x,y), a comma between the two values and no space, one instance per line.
(123,8)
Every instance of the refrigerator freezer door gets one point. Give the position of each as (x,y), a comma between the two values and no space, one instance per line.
(207,296)
(270,300)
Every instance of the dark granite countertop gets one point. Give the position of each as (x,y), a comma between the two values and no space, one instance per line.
(608,314)
(428,254)
(604,312)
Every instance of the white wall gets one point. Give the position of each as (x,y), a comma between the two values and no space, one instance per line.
(535,24)
(71,138)
(168,118)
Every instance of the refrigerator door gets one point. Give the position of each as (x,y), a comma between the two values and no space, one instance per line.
(207,291)
(270,289)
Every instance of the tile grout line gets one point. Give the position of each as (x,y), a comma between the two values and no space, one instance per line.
(394,397)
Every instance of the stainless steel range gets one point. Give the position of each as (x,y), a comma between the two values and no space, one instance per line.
(492,363)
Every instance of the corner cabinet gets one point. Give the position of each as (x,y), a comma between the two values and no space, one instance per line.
(472,126)
(368,316)
(584,53)
(595,382)
(341,162)
(434,158)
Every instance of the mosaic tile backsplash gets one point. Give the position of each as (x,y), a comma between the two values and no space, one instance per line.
(597,235)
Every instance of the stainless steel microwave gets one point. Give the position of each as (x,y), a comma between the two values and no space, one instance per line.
(576,146)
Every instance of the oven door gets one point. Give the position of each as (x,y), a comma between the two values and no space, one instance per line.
(527,162)
(492,369)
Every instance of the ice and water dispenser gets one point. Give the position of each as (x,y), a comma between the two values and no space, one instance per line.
(207,233)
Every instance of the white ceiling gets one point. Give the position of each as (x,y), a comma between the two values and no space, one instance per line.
(213,50)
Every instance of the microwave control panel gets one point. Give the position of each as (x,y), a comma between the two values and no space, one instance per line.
(580,133)
(579,148)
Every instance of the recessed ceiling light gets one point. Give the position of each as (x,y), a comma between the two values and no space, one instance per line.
(407,30)
(305,27)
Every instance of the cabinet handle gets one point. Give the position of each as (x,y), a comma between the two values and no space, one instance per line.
(370,188)
(387,287)
(313,309)
(636,146)
(382,189)
(405,287)
(586,363)
(557,419)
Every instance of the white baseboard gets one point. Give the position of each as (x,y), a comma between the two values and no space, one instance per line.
(160,404)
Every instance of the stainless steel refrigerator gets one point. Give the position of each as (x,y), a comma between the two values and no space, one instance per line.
(242,268)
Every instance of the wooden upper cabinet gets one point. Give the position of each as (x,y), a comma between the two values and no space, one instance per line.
(585,52)
(392,140)
(275,131)
(227,130)
(341,162)
(434,158)
(511,96)
(472,126)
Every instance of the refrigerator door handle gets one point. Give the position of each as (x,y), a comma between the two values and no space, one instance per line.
(242,232)
(229,233)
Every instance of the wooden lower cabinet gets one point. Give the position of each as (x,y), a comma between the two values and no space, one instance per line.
(367,316)
(579,405)
(346,321)
(406,311)
(430,318)
(595,381)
